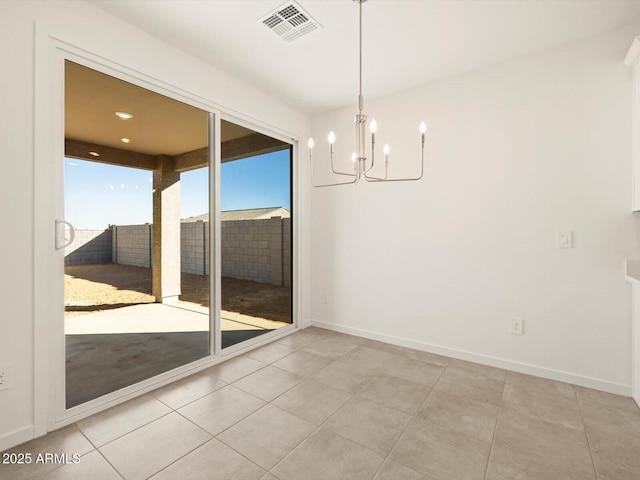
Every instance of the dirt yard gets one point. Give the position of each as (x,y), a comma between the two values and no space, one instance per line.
(91,288)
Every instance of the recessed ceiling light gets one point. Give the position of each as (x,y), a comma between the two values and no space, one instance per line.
(94,154)
(124,115)
(125,140)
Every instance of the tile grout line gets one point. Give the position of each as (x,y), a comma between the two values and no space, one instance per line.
(243,418)
(235,423)
(130,431)
(215,437)
(318,426)
(495,426)
(97,449)
(195,399)
(192,450)
(242,454)
(384,459)
(180,458)
(172,411)
(584,426)
(202,445)
(247,374)
(277,396)
(413,417)
(293,449)
(59,466)
(545,420)
(275,406)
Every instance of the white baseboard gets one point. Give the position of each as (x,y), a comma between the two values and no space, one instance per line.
(304,323)
(519,367)
(16,437)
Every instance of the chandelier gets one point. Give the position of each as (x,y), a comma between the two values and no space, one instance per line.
(361,165)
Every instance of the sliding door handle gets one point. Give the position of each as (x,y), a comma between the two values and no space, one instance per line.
(61,237)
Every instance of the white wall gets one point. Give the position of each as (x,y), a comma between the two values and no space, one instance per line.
(515,153)
(86,26)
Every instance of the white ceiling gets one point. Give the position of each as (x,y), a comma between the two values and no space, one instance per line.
(407,43)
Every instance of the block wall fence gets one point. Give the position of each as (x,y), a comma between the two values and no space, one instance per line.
(257,250)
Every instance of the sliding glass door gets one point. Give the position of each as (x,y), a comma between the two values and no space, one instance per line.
(255,234)
(136,289)
(140,240)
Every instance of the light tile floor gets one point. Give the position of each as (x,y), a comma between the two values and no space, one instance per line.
(323,405)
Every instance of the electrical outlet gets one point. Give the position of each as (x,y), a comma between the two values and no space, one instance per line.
(324,297)
(516,326)
(5,376)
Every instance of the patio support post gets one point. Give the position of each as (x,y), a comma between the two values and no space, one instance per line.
(166,231)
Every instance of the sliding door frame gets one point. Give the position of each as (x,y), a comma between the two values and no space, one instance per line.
(50,410)
(267,337)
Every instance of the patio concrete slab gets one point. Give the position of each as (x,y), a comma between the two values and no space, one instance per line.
(160,318)
(147,318)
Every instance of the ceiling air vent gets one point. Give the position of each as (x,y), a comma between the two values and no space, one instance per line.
(289,21)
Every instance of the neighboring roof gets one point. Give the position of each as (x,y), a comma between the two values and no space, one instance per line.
(248,214)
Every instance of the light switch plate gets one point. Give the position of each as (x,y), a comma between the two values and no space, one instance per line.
(564,239)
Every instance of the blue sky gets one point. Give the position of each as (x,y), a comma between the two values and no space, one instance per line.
(97,194)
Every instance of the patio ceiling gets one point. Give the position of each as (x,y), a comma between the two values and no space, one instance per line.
(160,125)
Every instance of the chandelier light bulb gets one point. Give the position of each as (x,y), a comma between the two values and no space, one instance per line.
(310,143)
(386,149)
(332,137)
(373,126)
(353,157)
(423,128)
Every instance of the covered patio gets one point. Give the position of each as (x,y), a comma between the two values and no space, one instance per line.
(117,335)
(112,349)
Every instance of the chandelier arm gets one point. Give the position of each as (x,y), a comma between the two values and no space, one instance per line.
(345,174)
(373,161)
(364,174)
(350,182)
(377,179)
(340,173)
(334,184)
